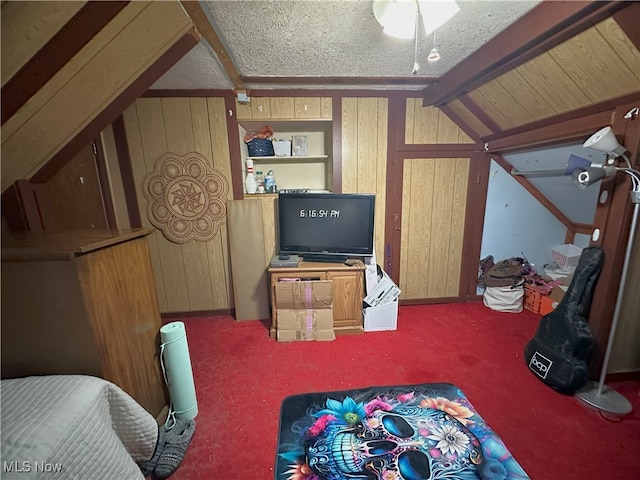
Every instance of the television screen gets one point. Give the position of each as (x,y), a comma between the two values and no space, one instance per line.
(325,223)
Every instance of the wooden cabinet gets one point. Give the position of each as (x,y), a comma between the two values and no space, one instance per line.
(83,303)
(347,291)
(285,108)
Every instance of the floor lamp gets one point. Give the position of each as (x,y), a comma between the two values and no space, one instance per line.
(598,394)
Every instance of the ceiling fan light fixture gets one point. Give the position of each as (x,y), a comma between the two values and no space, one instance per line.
(436,13)
(397,17)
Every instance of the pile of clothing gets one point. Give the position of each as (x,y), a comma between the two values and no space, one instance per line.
(504,282)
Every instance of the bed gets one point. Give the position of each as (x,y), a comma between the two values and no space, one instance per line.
(72,427)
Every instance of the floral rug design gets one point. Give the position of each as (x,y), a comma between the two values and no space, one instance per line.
(414,432)
(186,197)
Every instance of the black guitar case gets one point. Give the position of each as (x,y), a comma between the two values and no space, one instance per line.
(559,351)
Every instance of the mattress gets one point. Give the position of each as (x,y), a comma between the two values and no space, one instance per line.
(72,427)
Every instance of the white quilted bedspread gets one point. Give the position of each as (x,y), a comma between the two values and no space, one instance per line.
(72,427)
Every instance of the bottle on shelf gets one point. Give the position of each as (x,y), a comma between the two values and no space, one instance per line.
(260,182)
(270,182)
(250,183)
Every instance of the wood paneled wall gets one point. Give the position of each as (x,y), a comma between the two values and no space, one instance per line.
(193,276)
(90,81)
(429,125)
(364,155)
(434,205)
(625,354)
(269,206)
(434,198)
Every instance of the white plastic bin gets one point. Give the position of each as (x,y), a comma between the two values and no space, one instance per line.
(566,256)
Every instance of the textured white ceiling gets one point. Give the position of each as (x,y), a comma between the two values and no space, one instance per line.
(316,38)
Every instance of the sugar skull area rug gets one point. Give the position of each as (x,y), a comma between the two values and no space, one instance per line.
(413,432)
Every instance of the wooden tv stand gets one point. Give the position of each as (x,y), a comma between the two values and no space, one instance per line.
(347,290)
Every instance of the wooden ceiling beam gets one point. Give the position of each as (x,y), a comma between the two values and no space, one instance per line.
(473,107)
(419,81)
(628,21)
(547,25)
(67,42)
(202,23)
(529,187)
(552,134)
(458,120)
(566,127)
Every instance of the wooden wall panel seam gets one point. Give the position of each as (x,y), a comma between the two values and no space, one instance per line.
(77,65)
(27,27)
(68,41)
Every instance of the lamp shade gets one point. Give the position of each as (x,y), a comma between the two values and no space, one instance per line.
(436,13)
(605,141)
(583,177)
(398,17)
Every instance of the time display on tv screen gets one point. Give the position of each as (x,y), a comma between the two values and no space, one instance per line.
(321,213)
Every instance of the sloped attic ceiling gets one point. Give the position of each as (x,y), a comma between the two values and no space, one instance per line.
(601,62)
(328,44)
(47,113)
(68,67)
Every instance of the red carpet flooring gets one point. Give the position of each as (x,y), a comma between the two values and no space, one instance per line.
(242,376)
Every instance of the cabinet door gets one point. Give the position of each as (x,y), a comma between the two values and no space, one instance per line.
(282,107)
(243,111)
(347,299)
(313,108)
(285,108)
(260,108)
(307,107)
(72,199)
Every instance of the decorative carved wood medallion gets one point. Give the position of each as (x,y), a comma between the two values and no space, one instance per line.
(185,197)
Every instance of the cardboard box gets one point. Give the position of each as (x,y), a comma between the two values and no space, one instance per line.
(384,292)
(305,325)
(382,317)
(295,295)
(557,293)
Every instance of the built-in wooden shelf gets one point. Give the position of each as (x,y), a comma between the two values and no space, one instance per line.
(291,158)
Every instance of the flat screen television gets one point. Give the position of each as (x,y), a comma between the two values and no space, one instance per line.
(326,227)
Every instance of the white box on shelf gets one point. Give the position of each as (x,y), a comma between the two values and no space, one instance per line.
(282,148)
(382,317)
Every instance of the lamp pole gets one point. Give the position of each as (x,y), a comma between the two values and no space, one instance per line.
(599,395)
